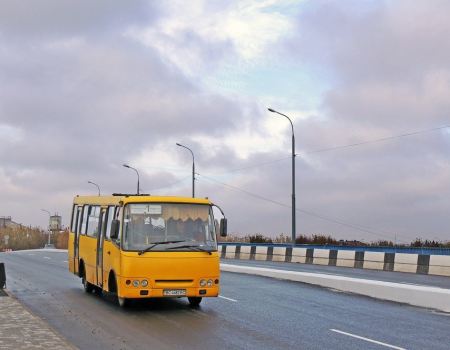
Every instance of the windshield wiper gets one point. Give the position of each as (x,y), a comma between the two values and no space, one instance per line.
(191,247)
(157,243)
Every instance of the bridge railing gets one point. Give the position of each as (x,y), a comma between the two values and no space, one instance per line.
(388,249)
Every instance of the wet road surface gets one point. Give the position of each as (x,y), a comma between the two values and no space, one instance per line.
(252,313)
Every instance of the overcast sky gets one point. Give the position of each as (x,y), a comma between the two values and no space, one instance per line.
(88,86)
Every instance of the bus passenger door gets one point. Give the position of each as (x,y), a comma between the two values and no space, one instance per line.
(111,250)
(72,237)
(76,260)
(100,240)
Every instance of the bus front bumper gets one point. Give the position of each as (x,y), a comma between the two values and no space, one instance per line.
(136,293)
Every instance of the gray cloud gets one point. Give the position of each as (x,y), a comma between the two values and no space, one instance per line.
(78,98)
(388,70)
(52,19)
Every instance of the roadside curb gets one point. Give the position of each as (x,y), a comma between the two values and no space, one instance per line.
(428,297)
(22,328)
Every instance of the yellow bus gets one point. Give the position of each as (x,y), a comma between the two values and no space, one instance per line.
(142,246)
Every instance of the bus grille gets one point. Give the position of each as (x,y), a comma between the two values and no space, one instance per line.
(174,283)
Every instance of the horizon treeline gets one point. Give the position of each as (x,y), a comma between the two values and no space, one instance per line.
(22,237)
(328,240)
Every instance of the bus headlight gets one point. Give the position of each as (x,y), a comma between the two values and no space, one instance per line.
(210,283)
(144,283)
(202,283)
(136,283)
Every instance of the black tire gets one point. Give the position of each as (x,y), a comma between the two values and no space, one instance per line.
(88,287)
(98,290)
(124,302)
(194,301)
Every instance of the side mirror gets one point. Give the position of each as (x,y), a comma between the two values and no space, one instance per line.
(223,227)
(115,225)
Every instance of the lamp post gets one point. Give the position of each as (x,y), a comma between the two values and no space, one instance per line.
(49,216)
(293,177)
(92,183)
(127,166)
(193,169)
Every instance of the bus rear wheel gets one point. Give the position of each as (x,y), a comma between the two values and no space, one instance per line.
(194,301)
(88,287)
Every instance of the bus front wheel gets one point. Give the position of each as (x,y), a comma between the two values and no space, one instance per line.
(124,302)
(194,301)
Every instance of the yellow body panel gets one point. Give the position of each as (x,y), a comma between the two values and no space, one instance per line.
(111,262)
(88,254)
(71,253)
(164,270)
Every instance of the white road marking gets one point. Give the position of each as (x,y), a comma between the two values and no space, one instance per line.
(274,268)
(64,261)
(367,339)
(47,258)
(228,299)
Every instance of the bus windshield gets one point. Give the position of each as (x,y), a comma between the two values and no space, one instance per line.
(149,225)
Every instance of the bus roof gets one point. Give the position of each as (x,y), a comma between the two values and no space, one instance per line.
(127,198)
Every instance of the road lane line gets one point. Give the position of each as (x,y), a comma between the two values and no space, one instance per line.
(228,299)
(46,257)
(64,261)
(367,339)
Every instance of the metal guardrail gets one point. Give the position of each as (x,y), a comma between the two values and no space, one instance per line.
(403,250)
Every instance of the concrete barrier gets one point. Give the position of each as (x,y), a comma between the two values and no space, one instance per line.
(430,297)
(400,262)
(2,275)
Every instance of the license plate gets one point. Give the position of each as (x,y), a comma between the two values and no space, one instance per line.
(174,292)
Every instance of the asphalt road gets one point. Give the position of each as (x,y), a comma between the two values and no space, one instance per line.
(252,313)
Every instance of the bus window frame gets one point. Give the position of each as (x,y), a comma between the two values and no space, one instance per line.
(84,208)
(94,208)
(108,221)
(118,211)
(74,219)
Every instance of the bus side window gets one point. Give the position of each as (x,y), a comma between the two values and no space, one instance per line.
(83,222)
(93,221)
(118,216)
(109,217)
(73,225)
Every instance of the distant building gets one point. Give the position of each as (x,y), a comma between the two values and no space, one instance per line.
(6,222)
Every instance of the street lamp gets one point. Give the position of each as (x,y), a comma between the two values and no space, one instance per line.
(89,182)
(293,176)
(127,166)
(49,216)
(193,169)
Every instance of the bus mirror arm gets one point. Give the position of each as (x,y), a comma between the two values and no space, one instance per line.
(223,222)
(115,224)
